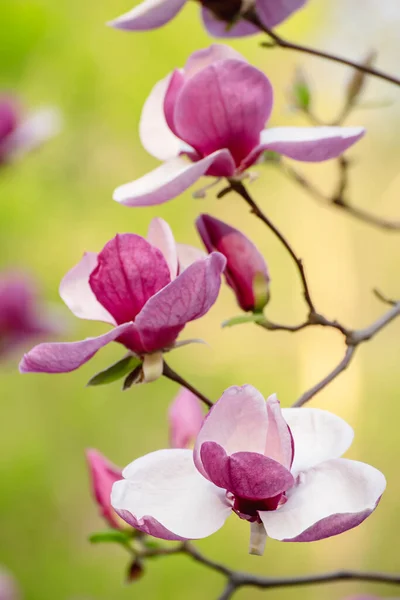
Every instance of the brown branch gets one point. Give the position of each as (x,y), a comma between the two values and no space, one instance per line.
(173,376)
(281,42)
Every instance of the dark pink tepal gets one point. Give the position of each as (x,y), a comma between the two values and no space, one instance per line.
(246,271)
(209,119)
(140,287)
(103,475)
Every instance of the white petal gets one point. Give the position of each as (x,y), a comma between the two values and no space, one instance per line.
(188,255)
(148,15)
(166,486)
(328,500)
(77,293)
(155,135)
(161,236)
(318,435)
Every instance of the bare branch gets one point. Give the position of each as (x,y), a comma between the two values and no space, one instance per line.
(173,376)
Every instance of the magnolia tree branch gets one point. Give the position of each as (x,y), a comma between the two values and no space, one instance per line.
(238,579)
(173,376)
(281,42)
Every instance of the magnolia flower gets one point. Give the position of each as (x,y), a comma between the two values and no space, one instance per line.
(221,19)
(209,118)
(278,469)
(19,135)
(103,474)
(246,272)
(22,317)
(138,286)
(185,419)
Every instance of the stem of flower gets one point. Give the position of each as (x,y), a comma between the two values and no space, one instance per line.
(173,376)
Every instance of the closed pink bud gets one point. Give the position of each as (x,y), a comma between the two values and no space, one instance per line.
(103,475)
(246,271)
(185,419)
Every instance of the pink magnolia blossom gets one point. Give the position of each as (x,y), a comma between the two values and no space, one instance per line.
(246,271)
(278,469)
(209,119)
(18,134)
(139,287)
(8,587)
(22,316)
(185,419)
(217,16)
(103,475)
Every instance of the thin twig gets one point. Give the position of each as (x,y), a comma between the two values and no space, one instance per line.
(240,189)
(281,42)
(229,590)
(344,363)
(363,335)
(173,376)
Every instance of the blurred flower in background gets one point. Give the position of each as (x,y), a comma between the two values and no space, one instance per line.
(8,587)
(23,317)
(20,134)
(103,475)
(185,419)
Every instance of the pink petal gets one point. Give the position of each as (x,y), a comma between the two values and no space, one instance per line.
(238,422)
(247,475)
(279,444)
(207,56)
(327,500)
(244,261)
(78,295)
(188,255)
(103,475)
(161,236)
(168,181)
(318,435)
(129,272)
(148,15)
(225,105)
(164,495)
(307,144)
(218,28)
(64,357)
(155,135)
(8,587)
(185,419)
(273,12)
(37,129)
(185,299)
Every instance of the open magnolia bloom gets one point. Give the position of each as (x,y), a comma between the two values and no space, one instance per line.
(208,119)
(221,19)
(143,289)
(278,469)
(20,135)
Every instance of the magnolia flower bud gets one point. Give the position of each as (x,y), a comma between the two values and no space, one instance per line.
(185,419)
(246,271)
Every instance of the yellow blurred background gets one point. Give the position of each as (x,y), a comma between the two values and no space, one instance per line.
(57,203)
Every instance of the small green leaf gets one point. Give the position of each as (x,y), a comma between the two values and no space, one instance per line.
(248,318)
(300,93)
(261,292)
(115,371)
(112,535)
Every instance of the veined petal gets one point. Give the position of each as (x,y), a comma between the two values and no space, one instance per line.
(161,236)
(327,500)
(148,15)
(78,295)
(164,495)
(307,144)
(225,105)
(279,444)
(273,12)
(155,135)
(318,435)
(167,181)
(247,475)
(129,272)
(64,357)
(218,28)
(238,422)
(185,299)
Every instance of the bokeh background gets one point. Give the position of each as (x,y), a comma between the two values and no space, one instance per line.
(57,203)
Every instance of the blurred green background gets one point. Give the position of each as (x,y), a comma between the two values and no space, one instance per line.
(57,203)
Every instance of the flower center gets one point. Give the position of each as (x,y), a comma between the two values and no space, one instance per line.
(248,509)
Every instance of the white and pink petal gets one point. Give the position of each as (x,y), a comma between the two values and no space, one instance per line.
(326,500)
(160,235)
(164,495)
(148,15)
(273,12)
